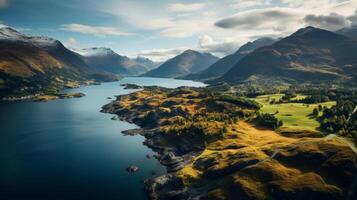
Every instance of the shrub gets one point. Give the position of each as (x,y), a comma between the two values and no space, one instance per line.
(269,120)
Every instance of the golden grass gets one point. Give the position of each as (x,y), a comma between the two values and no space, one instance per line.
(245,143)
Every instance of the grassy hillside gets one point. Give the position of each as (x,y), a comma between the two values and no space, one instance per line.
(295,116)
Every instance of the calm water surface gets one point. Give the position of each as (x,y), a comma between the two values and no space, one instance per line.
(67,149)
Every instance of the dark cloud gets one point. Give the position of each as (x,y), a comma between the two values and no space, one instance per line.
(330,22)
(271,18)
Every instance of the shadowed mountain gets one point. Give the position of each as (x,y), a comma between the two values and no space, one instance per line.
(310,54)
(223,65)
(106,59)
(188,62)
(31,63)
(350,32)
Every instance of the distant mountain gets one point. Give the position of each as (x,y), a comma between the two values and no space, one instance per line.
(310,54)
(188,62)
(30,63)
(223,65)
(350,32)
(106,59)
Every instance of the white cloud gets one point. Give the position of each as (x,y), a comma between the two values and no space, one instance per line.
(160,55)
(241,20)
(181,7)
(94,30)
(220,48)
(71,42)
(159,23)
(306,3)
(4,3)
(249,4)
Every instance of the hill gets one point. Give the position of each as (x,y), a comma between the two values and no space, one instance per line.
(310,54)
(188,62)
(223,65)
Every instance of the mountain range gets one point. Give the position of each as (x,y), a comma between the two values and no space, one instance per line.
(310,54)
(226,63)
(188,62)
(31,63)
(106,59)
(350,32)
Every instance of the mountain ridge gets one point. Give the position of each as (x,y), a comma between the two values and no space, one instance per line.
(29,64)
(224,64)
(309,54)
(103,58)
(190,61)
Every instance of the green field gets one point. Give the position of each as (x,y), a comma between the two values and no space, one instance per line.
(296,116)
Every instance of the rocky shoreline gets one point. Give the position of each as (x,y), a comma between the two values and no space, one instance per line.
(168,185)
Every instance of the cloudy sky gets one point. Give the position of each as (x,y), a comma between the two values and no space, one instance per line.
(160,29)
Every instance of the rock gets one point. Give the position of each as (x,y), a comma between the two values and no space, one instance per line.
(109,98)
(114,118)
(132,169)
(128,86)
(148,156)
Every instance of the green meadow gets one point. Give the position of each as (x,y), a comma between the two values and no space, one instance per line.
(296,116)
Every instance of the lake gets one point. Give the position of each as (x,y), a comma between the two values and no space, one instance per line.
(67,149)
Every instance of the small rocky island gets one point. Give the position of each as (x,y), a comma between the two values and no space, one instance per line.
(132,169)
(213,148)
(128,86)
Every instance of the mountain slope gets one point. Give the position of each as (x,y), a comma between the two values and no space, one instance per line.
(188,62)
(106,59)
(350,32)
(223,65)
(29,64)
(310,54)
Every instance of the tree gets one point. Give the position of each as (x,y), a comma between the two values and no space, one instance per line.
(315,112)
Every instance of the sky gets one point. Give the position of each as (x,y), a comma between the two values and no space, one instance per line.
(160,29)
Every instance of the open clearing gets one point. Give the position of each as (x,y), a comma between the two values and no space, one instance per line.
(296,116)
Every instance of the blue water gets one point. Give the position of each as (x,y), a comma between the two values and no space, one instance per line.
(67,149)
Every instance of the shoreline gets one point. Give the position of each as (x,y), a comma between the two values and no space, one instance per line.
(168,157)
(166,185)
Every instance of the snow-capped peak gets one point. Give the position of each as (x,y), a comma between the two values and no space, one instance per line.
(10,34)
(96,51)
